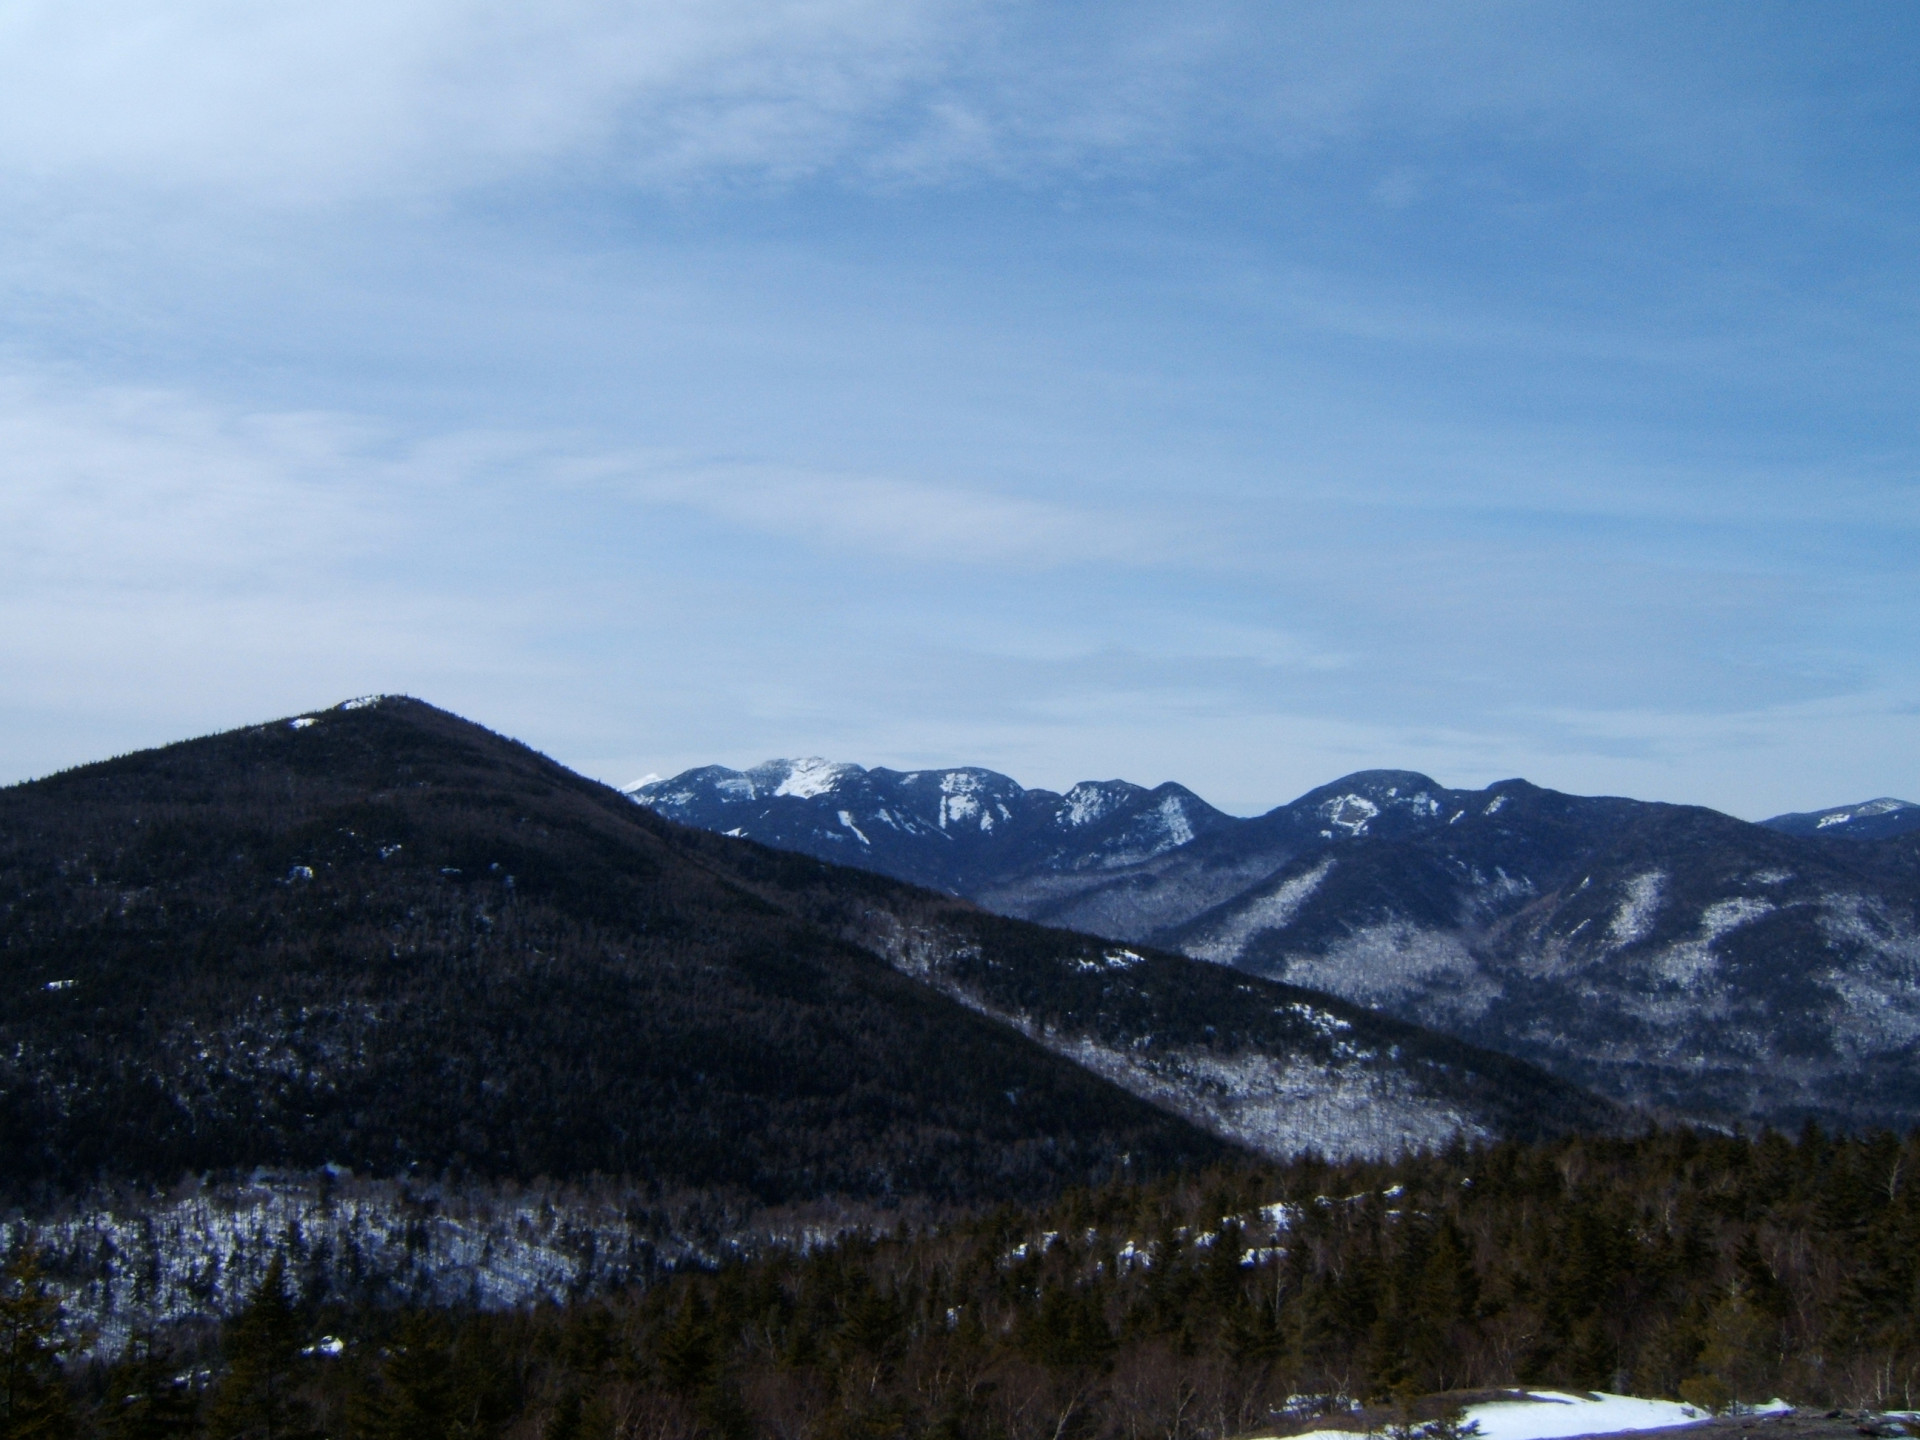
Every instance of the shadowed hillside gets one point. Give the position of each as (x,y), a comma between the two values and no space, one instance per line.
(387,939)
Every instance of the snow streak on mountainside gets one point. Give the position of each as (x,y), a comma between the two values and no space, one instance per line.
(1271,1067)
(1662,954)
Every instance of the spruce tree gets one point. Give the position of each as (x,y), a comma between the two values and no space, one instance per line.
(33,1337)
(262,1343)
(145,1401)
(416,1397)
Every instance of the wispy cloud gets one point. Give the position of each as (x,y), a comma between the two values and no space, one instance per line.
(124,488)
(415,99)
(158,548)
(917,521)
(1487,386)
(319,102)
(128,489)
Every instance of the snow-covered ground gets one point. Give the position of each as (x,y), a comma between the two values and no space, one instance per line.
(1559,1414)
(1552,1414)
(134,1261)
(120,1267)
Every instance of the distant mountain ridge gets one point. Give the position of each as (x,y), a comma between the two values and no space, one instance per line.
(945,829)
(1869,820)
(1665,955)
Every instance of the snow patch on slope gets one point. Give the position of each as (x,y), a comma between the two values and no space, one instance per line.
(1885,805)
(1378,964)
(1225,942)
(1278,1107)
(810,777)
(1350,813)
(1116,959)
(1085,803)
(1638,907)
(960,800)
(1725,916)
(1558,1414)
(1691,963)
(1879,984)
(1179,829)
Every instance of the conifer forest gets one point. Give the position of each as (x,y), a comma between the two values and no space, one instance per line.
(1240,1300)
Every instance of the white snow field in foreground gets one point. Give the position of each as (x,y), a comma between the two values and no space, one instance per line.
(1558,1414)
(1552,1414)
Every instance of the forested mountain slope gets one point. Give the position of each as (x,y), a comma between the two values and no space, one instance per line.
(386,939)
(383,938)
(1666,955)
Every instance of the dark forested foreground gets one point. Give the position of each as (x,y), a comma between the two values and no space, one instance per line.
(1708,1267)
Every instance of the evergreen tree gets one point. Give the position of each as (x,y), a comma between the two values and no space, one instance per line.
(1445,1296)
(1740,1347)
(689,1351)
(567,1420)
(145,1399)
(33,1337)
(415,1400)
(262,1343)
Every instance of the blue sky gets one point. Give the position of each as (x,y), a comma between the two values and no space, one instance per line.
(1239,397)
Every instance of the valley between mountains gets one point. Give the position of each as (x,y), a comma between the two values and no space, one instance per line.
(1666,956)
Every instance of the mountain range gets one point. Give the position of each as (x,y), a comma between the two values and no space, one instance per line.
(947,829)
(1666,956)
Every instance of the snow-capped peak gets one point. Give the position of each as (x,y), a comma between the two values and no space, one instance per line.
(1350,813)
(1093,800)
(810,777)
(1086,803)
